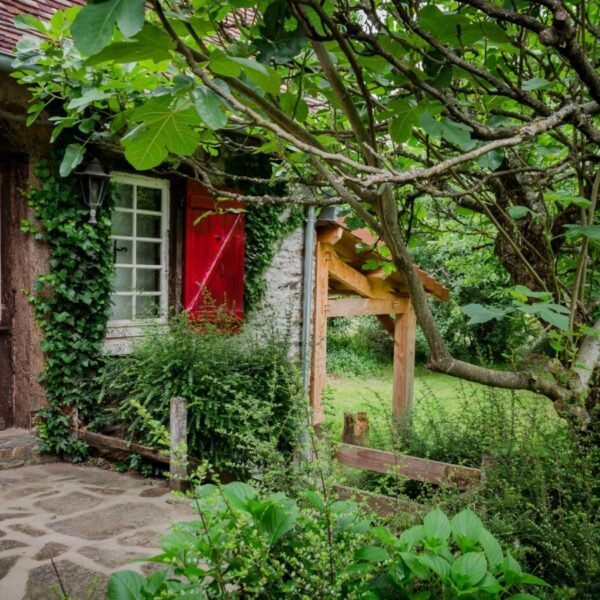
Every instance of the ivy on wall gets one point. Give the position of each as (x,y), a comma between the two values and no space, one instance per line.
(72,306)
(267,225)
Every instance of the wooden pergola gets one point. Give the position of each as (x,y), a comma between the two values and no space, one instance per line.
(343,288)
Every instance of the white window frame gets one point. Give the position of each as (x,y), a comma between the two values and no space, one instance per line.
(122,333)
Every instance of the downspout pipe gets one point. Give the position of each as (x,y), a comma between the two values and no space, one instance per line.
(307,295)
(6,62)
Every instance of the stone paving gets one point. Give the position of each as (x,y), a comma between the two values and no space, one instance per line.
(89,520)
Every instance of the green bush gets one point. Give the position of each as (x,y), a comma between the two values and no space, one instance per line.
(358,347)
(541,494)
(248,546)
(242,392)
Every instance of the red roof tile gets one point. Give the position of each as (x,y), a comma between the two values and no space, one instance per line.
(9,9)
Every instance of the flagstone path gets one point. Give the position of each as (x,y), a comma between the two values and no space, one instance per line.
(89,520)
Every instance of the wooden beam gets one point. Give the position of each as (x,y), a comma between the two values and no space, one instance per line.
(178,444)
(351,307)
(318,371)
(330,234)
(388,324)
(404,364)
(420,469)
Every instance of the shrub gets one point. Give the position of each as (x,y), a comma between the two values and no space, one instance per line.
(358,347)
(248,546)
(242,392)
(541,493)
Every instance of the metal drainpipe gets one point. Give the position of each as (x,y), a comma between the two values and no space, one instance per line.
(6,62)
(307,295)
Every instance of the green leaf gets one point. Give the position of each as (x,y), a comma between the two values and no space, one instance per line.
(276,520)
(221,64)
(437,564)
(430,125)
(209,107)
(410,537)
(535,83)
(25,21)
(407,115)
(88,97)
(522,596)
(466,529)
(371,554)
(93,27)
(238,495)
(491,160)
(492,548)
(478,313)
(149,44)
(125,585)
(72,159)
(529,579)
(589,231)
(437,525)
(456,133)
(264,77)
(413,562)
(518,212)
(162,128)
(490,584)
(315,499)
(468,570)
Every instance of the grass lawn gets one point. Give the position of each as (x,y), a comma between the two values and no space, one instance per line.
(374,394)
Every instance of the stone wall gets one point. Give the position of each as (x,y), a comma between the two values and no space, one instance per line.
(282,306)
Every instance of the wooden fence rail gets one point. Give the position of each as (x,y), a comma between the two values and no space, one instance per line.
(420,469)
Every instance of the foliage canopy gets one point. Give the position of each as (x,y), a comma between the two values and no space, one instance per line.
(472,116)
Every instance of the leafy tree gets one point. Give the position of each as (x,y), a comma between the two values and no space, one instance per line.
(475,113)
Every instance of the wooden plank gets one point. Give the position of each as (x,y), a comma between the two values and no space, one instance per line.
(404,364)
(178,441)
(420,469)
(318,371)
(350,307)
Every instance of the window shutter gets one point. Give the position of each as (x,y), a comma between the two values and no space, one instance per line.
(214,255)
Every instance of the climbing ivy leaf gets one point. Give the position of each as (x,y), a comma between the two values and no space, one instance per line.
(162,128)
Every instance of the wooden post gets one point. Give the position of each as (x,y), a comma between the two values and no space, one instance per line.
(404,364)
(178,453)
(319,337)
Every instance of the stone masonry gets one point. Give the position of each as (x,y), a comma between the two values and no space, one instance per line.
(90,521)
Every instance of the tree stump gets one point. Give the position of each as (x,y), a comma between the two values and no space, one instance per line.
(356,429)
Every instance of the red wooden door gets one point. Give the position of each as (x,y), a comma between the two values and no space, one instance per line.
(214,255)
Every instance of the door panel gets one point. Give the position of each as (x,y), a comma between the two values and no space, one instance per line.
(213,255)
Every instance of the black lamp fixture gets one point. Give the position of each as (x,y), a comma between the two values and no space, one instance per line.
(94,183)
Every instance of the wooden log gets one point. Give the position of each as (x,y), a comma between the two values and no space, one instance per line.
(356,429)
(420,469)
(351,307)
(404,364)
(178,450)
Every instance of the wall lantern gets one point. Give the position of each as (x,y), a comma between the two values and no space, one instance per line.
(94,184)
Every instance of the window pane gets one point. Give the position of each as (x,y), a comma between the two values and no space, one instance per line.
(147,307)
(123,279)
(122,223)
(123,252)
(148,226)
(124,195)
(148,280)
(147,253)
(149,199)
(122,307)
